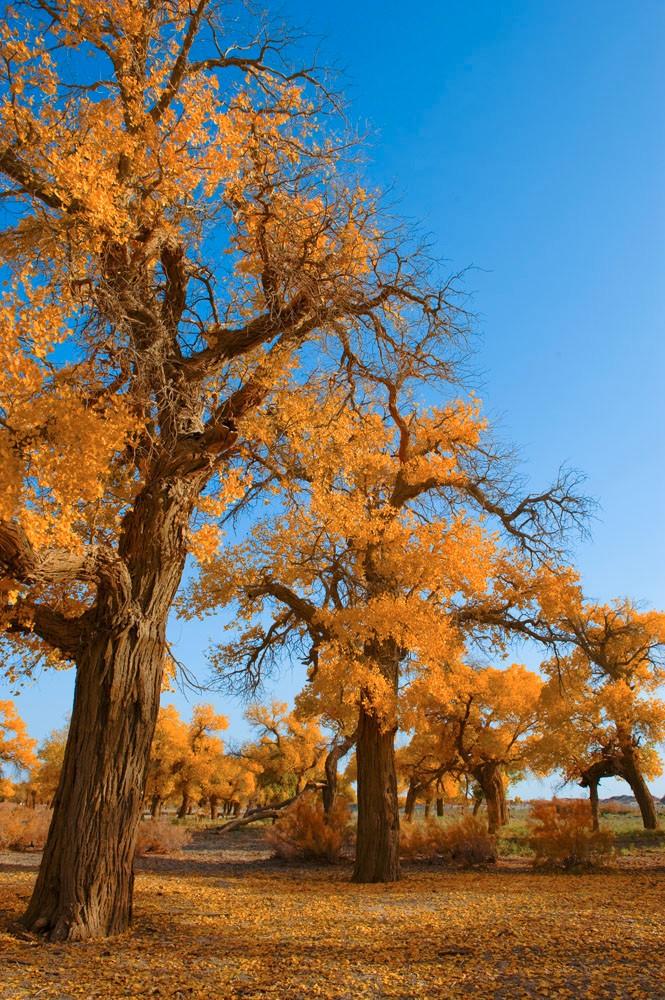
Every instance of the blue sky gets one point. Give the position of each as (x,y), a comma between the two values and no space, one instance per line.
(527,139)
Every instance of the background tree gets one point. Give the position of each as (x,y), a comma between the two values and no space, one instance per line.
(484,723)
(604,717)
(288,755)
(168,752)
(179,226)
(45,776)
(384,548)
(202,758)
(17,749)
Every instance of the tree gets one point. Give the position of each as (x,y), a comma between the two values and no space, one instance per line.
(16,747)
(180,226)
(44,778)
(202,758)
(288,754)
(383,554)
(604,718)
(483,723)
(168,753)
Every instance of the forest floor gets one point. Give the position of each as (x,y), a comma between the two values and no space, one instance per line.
(222,919)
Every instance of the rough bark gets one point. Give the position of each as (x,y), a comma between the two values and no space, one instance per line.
(85,882)
(377,843)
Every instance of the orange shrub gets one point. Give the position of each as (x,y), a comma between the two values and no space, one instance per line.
(466,842)
(619,809)
(23,829)
(305,832)
(159,836)
(562,835)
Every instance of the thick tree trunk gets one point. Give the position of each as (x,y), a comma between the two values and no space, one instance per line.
(428,808)
(633,775)
(377,842)
(214,805)
(439,806)
(85,882)
(155,806)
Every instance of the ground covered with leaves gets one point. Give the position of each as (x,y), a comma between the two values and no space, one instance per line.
(221,919)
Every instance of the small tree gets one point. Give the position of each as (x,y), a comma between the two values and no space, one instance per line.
(604,717)
(17,749)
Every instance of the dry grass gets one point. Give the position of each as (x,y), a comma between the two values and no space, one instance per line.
(305,833)
(160,836)
(466,842)
(561,835)
(23,829)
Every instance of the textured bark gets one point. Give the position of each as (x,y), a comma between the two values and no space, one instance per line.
(85,882)
(377,843)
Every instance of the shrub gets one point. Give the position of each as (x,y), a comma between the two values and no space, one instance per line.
(466,843)
(306,833)
(23,829)
(562,835)
(619,809)
(159,836)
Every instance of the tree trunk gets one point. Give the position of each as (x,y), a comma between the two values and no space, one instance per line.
(85,882)
(214,804)
(184,807)
(428,808)
(633,775)
(377,842)
(410,803)
(329,790)
(439,806)
(489,778)
(155,806)
(593,800)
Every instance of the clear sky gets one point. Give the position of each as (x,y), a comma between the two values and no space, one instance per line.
(527,138)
